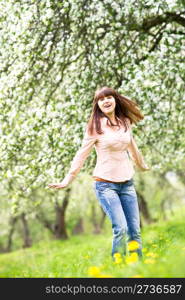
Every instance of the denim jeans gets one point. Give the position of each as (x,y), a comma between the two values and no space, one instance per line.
(119,202)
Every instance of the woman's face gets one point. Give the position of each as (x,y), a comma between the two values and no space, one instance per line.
(107,104)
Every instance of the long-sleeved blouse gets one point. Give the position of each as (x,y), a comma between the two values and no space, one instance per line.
(116,152)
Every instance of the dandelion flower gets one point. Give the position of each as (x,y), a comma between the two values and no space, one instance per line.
(94,271)
(133,245)
(118,258)
(118,261)
(117,255)
(151,254)
(104,276)
(86,256)
(132,258)
(149,261)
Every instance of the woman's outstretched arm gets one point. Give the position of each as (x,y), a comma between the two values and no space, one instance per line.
(135,154)
(78,161)
(80,157)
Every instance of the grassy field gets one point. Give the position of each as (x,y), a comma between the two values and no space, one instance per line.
(89,256)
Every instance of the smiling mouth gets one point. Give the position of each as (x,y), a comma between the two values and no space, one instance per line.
(107,106)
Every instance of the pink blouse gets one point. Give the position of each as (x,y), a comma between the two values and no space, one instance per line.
(114,149)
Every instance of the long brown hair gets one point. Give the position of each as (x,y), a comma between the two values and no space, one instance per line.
(125,108)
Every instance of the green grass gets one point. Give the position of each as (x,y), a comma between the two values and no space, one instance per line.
(74,257)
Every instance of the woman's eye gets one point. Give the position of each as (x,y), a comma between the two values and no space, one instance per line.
(108,97)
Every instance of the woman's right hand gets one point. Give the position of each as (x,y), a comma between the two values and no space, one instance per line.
(146,168)
(57,185)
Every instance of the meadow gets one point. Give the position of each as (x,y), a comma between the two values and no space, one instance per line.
(84,256)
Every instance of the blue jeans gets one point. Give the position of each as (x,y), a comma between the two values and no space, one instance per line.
(119,202)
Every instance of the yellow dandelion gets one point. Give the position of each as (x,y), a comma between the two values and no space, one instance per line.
(151,254)
(133,245)
(134,255)
(118,261)
(118,258)
(132,258)
(149,261)
(94,271)
(137,276)
(104,276)
(117,255)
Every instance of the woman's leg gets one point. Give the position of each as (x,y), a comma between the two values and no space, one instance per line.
(130,207)
(109,200)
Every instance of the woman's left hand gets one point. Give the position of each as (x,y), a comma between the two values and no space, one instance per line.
(57,185)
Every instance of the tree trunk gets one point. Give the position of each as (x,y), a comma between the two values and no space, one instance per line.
(10,235)
(79,228)
(96,223)
(60,225)
(102,219)
(26,232)
(143,206)
(42,219)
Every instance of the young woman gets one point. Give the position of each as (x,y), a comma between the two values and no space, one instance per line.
(109,130)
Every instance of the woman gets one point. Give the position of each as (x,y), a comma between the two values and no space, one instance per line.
(110,131)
